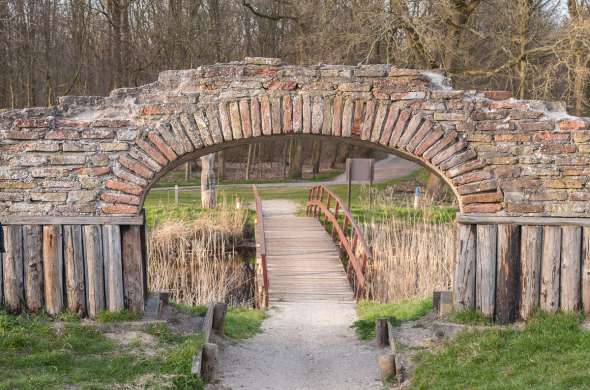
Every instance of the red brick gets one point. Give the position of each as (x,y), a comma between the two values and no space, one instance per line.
(23,134)
(512,137)
(36,123)
(128,188)
(572,124)
(98,134)
(484,208)
(568,183)
(120,198)
(472,177)
(162,146)
(119,209)
(62,134)
(525,208)
(558,149)
(98,171)
(498,95)
(550,136)
(151,110)
(152,152)
(136,166)
(502,105)
(488,197)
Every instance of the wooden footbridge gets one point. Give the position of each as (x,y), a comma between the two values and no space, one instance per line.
(299,260)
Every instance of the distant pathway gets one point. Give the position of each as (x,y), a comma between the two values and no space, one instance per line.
(307,342)
(389,168)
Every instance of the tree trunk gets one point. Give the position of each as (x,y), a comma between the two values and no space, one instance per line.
(296,163)
(251,147)
(208,181)
(316,154)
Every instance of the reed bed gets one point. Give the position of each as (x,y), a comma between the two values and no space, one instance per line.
(197,261)
(413,251)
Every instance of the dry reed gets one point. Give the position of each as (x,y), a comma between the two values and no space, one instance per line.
(196,261)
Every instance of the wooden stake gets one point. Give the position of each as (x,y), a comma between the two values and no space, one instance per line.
(507,281)
(464,282)
(33,266)
(550,269)
(74,263)
(53,269)
(113,267)
(219,312)
(486,259)
(382,332)
(571,264)
(133,270)
(14,297)
(530,275)
(92,238)
(586,270)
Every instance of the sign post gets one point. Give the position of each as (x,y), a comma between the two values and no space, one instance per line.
(360,170)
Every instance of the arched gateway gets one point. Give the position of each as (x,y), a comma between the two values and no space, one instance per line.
(80,171)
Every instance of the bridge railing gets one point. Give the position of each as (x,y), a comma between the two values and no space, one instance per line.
(261,264)
(339,222)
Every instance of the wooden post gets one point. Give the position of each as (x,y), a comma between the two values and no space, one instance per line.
(209,365)
(208,181)
(550,268)
(507,281)
(133,270)
(219,312)
(381,332)
(94,269)
(53,269)
(486,259)
(113,267)
(1,277)
(74,263)
(586,270)
(387,367)
(571,264)
(13,268)
(464,281)
(33,266)
(530,273)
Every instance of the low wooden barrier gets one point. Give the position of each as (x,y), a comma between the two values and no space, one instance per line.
(204,363)
(344,229)
(81,264)
(261,279)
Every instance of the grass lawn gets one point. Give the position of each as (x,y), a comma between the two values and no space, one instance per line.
(35,354)
(552,352)
(368,311)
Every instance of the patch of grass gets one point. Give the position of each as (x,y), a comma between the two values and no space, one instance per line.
(470,317)
(105,317)
(368,311)
(35,355)
(199,310)
(552,352)
(242,323)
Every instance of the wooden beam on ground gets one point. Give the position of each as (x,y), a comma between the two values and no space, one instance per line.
(535,221)
(507,281)
(550,269)
(571,276)
(33,266)
(53,269)
(133,270)
(92,238)
(14,295)
(62,220)
(464,282)
(74,273)
(530,273)
(113,267)
(486,259)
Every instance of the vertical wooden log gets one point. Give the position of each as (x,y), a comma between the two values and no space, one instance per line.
(486,259)
(219,312)
(464,281)
(550,268)
(95,298)
(33,266)
(133,271)
(1,278)
(53,269)
(14,294)
(530,274)
(113,267)
(586,270)
(381,332)
(74,263)
(507,281)
(571,264)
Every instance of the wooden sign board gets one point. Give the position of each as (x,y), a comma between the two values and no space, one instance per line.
(360,170)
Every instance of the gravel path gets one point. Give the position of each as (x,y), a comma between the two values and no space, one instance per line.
(303,346)
(307,341)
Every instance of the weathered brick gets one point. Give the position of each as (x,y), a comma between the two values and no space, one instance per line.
(15,185)
(160,144)
(97,134)
(580,196)
(483,208)
(482,186)
(558,148)
(548,196)
(448,116)
(566,183)
(96,171)
(62,134)
(547,136)
(33,123)
(572,124)
(114,146)
(128,188)
(110,197)
(24,134)
(82,196)
(535,125)
(524,208)
(464,168)
(472,177)
(136,167)
(503,160)
(263,61)
(121,209)
(581,136)
(512,137)
(49,196)
(494,126)
(498,95)
(67,159)
(488,197)
(282,85)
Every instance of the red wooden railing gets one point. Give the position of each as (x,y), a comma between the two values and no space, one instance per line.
(345,229)
(262,268)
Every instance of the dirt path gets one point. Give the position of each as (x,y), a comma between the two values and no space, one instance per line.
(306,342)
(391,167)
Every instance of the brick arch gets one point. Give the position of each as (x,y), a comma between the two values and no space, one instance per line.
(93,156)
(401,131)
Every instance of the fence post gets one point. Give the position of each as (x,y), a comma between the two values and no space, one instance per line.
(176,194)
